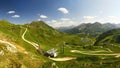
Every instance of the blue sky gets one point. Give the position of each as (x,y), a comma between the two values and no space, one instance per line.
(59,13)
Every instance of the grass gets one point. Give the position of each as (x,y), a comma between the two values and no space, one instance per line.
(48,38)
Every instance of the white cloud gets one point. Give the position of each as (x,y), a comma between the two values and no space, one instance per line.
(15,16)
(110,19)
(89,17)
(11,12)
(105,19)
(113,17)
(43,16)
(53,23)
(63,10)
(63,23)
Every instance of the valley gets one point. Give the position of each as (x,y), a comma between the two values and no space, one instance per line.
(34,40)
(59,34)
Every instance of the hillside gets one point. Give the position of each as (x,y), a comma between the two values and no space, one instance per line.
(14,52)
(17,53)
(21,47)
(41,32)
(89,28)
(109,37)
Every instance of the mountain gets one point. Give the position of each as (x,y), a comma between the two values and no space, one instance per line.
(63,29)
(41,32)
(21,45)
(33,45)
(17,53)
(109,37)
(109,40)
(14,51)
(89,28)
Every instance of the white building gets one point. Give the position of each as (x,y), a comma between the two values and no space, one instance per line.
(53,52)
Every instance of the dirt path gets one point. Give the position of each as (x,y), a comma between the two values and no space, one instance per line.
(109,50)
(89,53)
(37,47)
(32,43)
(63,59)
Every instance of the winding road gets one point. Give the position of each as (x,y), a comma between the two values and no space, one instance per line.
(89,53)
(32,43)
(73,51)
(37,47)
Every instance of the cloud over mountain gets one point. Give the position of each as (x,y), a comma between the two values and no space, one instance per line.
(43,16)
(89,17)
(64,22)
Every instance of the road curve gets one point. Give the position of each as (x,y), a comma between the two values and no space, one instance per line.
(32,43)
(37,47)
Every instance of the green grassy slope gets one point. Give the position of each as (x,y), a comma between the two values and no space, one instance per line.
(111,36)
(38,32)
(47,37)
(109,39)
(12,33)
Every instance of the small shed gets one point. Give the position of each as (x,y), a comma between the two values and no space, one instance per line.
(52,53)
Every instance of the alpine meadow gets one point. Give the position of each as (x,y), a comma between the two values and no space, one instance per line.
(59,34)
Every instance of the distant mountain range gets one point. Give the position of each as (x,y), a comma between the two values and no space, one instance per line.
(89,28)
